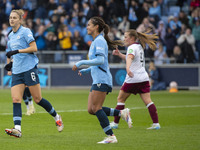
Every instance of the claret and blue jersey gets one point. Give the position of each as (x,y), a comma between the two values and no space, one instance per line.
(100,73)
(20,40)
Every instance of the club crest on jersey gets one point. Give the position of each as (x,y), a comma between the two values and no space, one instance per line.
(18,37)
(99,85)
(130,51)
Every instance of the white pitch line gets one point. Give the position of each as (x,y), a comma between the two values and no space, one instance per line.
(83,110)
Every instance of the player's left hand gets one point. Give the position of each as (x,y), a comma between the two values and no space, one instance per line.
(10,53)
(79,73)
(130,74)
(74,68)
(8,67)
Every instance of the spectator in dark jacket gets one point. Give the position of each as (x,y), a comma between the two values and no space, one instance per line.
(178,55)
(170,41)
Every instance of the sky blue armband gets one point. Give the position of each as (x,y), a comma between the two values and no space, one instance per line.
(94,62)
(85,71)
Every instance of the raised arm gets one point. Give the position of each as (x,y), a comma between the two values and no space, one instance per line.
(94,62)
(116,52)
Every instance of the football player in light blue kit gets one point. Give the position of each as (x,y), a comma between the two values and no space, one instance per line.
(20,46)
(102,78)
(26,96)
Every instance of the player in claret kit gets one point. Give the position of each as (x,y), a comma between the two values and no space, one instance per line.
(20,46)
(137,79)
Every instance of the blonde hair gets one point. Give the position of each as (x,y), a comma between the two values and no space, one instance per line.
(105,28)
(144,38)
(19,12)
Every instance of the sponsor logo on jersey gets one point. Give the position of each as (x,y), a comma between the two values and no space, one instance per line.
(100,48)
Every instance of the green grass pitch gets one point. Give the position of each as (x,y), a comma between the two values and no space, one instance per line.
(179,116)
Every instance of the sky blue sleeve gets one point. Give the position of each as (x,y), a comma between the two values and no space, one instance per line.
(100,47)
(85,71)
(94,62)
(28,35)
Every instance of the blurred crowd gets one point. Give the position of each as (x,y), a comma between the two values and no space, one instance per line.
(61,24)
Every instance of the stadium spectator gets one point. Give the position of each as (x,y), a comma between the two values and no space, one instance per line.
(187,44)
(175,24)
(51,41)
(40,38)
(3,17)
(133,14)
(102,78)
(183,18)
(180,3)
(66,5)
(64,37)
(8,7)
(183,29)
(195,25)
(37,23)
(24,72)
(124,25)
(86,13)
(74,27)
(170,41)
(144,12)
(74,14)
(154,13)
(5,29)
(194,4)
(64,19)
(50,7)
(154,78)
(59,11)
(196,14)
(29,24)
(145,25)
(160,56)
(161,31)
(3,41)
(137,79)
(178,55)
(31,6)
(78,42)
(102,13)
(54,25)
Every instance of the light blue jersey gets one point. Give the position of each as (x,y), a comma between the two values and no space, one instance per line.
(100,73)
(22,62)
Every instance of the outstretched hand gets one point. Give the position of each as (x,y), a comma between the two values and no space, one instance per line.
(79,73)
(116,51)
(8,67)
(74,68)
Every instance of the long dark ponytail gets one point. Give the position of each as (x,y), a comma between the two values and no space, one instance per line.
(105,28)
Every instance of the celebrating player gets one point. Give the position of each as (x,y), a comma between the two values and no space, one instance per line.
(102,79)
(137,79)
(21,46)
(26,96)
